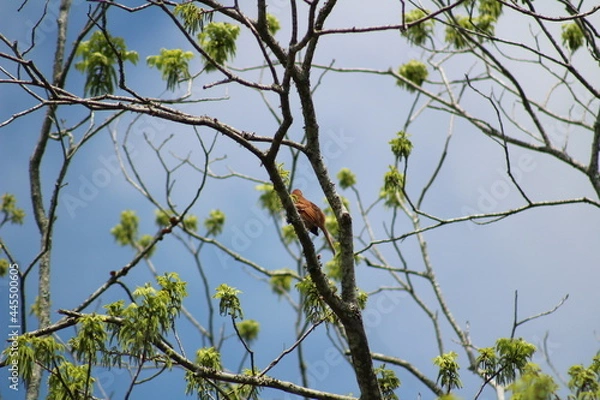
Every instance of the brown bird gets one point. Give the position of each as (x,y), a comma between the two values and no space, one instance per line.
(312,216)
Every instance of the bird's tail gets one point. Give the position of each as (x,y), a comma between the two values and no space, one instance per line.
(329,240)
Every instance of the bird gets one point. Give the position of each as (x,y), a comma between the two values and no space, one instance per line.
(312,216)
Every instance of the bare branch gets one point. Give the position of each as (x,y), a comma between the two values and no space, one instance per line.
(438,391)
(517,322)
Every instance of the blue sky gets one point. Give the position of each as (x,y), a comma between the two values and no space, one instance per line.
(543,253)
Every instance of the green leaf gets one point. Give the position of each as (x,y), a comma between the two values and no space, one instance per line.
(29,351)
(67,379)
(281,280)
(347,178)
(215,222)
(173,290)
(193,17)
(247,392)
(126,231)
(415,72)
(487,361)
(331,223)
(484,25)
(466,26)
(218,40)
(248,329)
(418,34)
(269,200)
(99,56)
(90,339)
(283,173)
(585,382)
(492,8)
(229,303)
(314,307)
(151,316)
(12,213)
(3,266)
(173,64)
(388,382)
(35,308)
(448,375)
(191,222)
(288,234)
(163,218)
(209,357)
(401,145)
(392,190)
(115,309)
(533,385)
(333,269)
(513,356)
(273,24)
(572,36)
(362,297)
(595,366)
(144,241)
